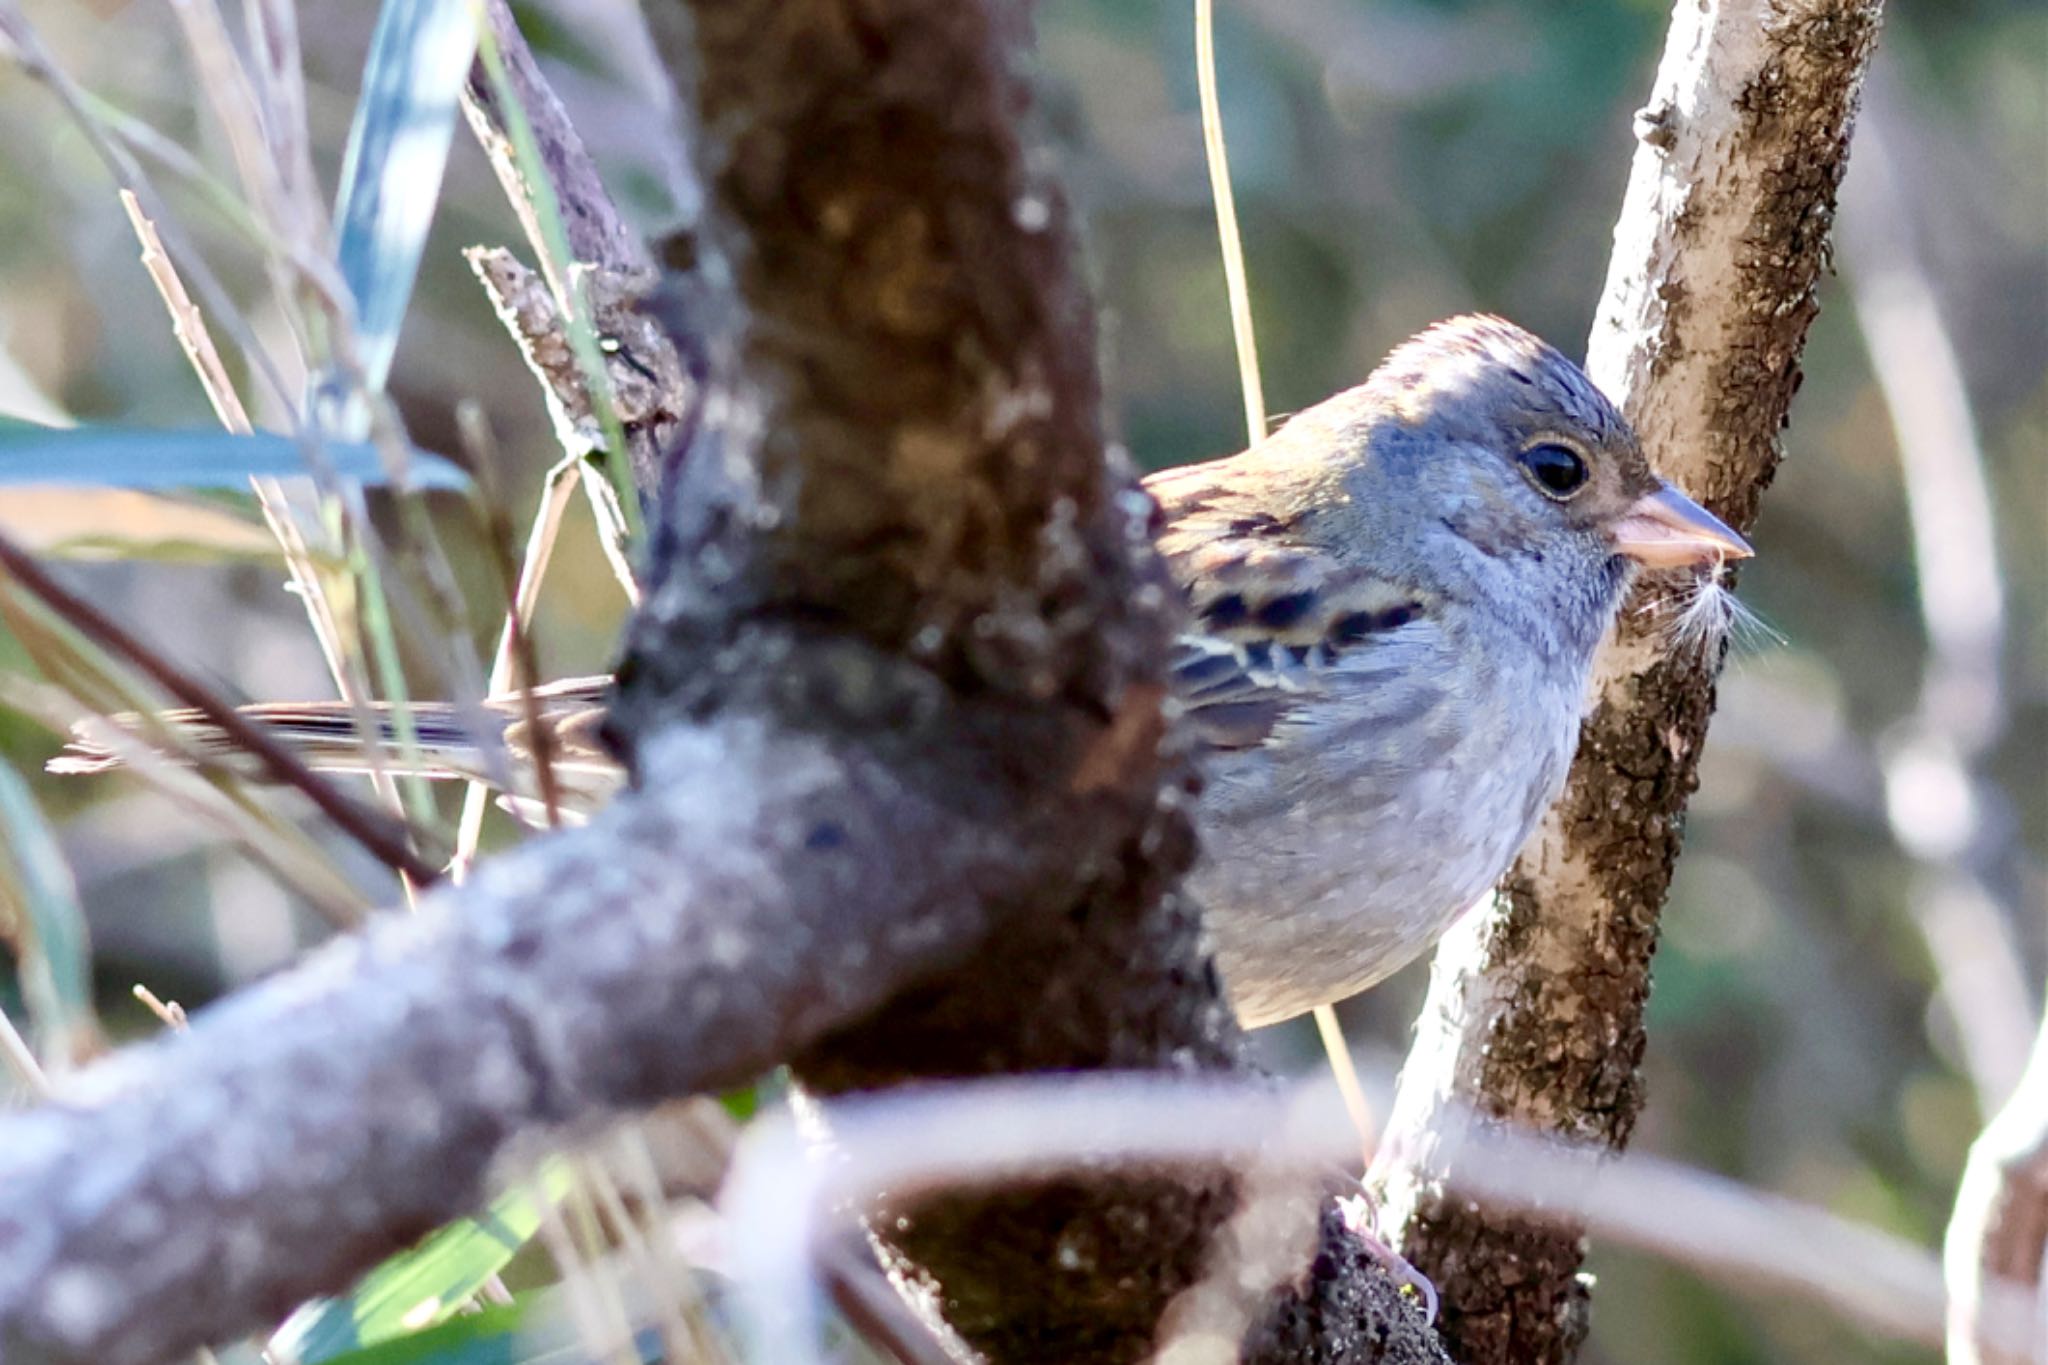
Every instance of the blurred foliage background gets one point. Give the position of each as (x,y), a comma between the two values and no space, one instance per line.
(1832,998)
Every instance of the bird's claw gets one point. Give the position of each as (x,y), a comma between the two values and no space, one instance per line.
(1361,1219)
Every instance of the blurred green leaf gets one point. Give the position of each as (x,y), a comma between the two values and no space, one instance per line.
(397,150)
(425,1285)
(535,1329)
(39,909)
(493,1336)
(131,457)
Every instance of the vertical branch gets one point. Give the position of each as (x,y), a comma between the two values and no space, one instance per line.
(916,460)
(1535,1014)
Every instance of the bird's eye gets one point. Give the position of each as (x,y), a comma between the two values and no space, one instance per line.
(1558,470)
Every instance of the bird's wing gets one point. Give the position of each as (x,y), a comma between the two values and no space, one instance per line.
(1277,618)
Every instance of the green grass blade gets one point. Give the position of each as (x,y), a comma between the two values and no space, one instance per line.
(136,458)
(425,1285)
(536,1328)
(397,150)
(40,900)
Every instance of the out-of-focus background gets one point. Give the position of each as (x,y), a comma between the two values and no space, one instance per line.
(1856,939)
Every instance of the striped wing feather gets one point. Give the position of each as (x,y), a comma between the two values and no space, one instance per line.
(1275,615)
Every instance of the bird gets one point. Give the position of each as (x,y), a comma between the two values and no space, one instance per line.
(1395,601)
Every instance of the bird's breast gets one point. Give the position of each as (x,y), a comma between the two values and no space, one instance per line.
(1339,854)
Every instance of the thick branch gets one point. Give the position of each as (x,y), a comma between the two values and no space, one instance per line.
(1536,1007)
(691,937)
(903,805)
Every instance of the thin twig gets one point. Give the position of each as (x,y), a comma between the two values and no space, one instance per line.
(1935,798)
(381,836)
(295,861)
(781,1197)
(517,646)
(170,1011)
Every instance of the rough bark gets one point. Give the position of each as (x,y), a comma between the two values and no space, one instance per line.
(1535,1013)
(865,160)
(650,388)
(904,804)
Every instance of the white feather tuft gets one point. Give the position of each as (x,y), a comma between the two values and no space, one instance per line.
(1702,617)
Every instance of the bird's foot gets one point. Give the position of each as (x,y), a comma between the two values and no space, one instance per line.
(1361,1219)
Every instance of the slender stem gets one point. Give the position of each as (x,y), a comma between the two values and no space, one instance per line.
(1226,223)
(556,491)
(383,837)
(1236,284)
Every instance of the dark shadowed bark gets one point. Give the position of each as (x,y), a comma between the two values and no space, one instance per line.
(1535,1012)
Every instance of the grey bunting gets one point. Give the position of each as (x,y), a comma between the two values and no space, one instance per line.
(1396,600)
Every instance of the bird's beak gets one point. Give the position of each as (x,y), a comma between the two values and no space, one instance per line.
(1668,530)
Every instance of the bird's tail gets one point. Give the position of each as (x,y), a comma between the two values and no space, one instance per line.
(489,744)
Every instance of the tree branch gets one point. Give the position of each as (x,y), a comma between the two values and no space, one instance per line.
(904,801)
(651,389)
(691,937)
(1536,1006)
(1998,1235)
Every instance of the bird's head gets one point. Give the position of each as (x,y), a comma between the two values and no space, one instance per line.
(1485,465)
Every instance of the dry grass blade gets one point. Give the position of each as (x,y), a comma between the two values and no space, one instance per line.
(280,85)
(556,491)
(516,663)
(187,324)
(35,60)
(112,141)
(225,84)
(1234,278)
